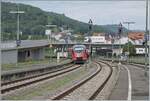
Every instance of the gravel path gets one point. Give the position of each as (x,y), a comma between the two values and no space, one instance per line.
(107,90)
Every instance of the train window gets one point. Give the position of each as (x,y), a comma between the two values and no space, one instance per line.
(78,49)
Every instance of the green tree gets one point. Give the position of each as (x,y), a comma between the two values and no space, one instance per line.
(129,47)
(33,22)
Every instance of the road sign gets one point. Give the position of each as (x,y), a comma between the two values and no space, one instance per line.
(48,32)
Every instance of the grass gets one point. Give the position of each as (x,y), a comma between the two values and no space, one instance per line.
(140,60)
(49,87)
(21,65)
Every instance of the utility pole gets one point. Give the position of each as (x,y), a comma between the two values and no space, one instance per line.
(18,42)
(128,23)
(146,34)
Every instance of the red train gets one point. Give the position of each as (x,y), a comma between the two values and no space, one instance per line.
(79,53)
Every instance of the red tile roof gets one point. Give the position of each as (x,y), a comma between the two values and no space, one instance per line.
(136,35)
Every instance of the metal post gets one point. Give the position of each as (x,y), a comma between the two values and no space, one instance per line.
(49,48)
(119,32)
(90,32)
(112,49)
(146,32)
(128,60)
(89,52)
(120,50)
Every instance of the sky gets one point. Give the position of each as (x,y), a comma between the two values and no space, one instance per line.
(101,12)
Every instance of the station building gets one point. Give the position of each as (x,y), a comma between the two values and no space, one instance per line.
(28,50)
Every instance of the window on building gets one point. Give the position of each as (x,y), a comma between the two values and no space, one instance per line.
(28,53)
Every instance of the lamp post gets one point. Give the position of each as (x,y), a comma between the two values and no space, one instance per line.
(146,33)
(119,32)
(48,33)
(128,23)
(18,42)
(89,40)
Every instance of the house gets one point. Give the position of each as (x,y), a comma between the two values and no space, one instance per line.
(136,37)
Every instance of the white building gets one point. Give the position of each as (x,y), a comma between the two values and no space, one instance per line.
(124,40)
(96,39)
(58,36)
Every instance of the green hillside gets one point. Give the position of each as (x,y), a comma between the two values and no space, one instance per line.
(33,22)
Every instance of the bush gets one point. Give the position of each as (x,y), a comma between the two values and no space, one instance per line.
(129,47)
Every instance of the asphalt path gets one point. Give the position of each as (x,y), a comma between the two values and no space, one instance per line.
(120,92)
(140,83)
(132,84)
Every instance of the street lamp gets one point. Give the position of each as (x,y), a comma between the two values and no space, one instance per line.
(89,40)
(146,33)
(119,33)
(49,33)
(18,42)
(128,23)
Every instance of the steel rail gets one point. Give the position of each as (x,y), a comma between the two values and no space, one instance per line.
(104,83)
(74,87)
(7,89)
(71,89)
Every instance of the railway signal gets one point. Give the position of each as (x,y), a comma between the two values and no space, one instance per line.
(119,33)
(90,32)
(90,24)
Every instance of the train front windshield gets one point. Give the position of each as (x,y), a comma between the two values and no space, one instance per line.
(78,49)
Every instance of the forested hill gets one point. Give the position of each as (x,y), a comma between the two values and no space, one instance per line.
(34,19)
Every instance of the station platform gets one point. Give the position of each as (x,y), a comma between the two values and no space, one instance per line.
(35,66)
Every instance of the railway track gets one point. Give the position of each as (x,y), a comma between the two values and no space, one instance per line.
(77,91)
(16,84)
(123,62)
